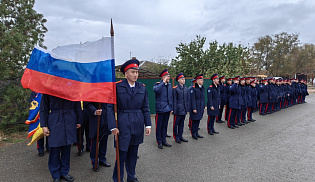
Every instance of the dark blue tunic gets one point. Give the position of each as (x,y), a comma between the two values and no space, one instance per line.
(133,114)
(235,96)
(61,117)
(181,100)
(214,100)
(163,97)
(197,102)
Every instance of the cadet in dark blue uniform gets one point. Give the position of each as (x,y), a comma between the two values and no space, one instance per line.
(193,81)
(253,103)
(227,94)
(223,98)
(133,114)
(213,104)
(197,106)
(248,89)
(279,95)
(80,133)
(272,95)
(94,112)
(264,94)
(235,102)
(163,107)
(242,112)
(181,107)
(60,119)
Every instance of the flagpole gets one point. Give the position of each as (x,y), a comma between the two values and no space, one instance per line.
(115,105)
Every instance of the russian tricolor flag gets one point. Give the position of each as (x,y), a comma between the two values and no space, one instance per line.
(78,72)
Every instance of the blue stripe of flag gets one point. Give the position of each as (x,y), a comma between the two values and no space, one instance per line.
(95,72)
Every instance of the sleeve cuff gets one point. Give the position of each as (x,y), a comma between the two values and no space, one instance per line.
(113,129)
(148,127)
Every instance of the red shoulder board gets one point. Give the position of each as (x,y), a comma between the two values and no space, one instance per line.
(157,82)
(194,86)
(143,84)
(119,81)
(210,86)
(175,86)
(224,84)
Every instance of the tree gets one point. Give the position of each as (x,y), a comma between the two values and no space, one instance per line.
(21,28)
(272,53)
(226,59)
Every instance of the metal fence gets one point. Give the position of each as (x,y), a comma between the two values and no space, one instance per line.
(149,83)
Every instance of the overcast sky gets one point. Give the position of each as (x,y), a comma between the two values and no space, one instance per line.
(150,29)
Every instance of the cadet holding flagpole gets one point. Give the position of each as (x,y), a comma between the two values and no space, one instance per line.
(133,114)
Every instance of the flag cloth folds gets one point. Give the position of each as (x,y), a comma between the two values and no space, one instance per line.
(77,72)
(33,120)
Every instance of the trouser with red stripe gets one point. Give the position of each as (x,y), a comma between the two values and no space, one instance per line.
(194,127)
(227,112)
(219,116)
(263,108)
(128,158)
(189,123)
(102,148)
(40,144)
(250,113)
(232,117)
(178,126)
(210,123)
(161,122)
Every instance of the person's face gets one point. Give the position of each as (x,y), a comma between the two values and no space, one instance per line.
(200,81)
(253,84)
(167,77)
(229,82)
(242,82)
(223,80)
(248,82)
(181,81)
(236,81)
(132,75)
(216,80)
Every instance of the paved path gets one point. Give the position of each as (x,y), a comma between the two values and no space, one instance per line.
(277,147)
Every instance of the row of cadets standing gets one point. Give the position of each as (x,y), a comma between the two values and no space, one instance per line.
(181,107)
(213,103)
(133,118)
(163,107)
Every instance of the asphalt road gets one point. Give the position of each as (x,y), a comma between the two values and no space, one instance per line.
(277,147)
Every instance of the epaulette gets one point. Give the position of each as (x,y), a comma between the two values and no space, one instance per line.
(157,82)
(119,81)
(224,84)
(210,86)
(143,84)
(194,86)
(175,86)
